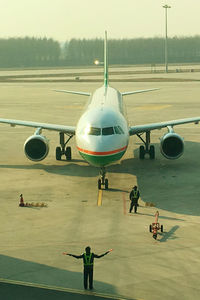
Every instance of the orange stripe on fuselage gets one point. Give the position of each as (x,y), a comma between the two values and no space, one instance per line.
(101,153)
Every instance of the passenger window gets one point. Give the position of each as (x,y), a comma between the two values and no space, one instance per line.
(107,131)
(94,131)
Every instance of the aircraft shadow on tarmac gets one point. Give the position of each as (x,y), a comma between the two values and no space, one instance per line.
(172,184)
(68,169)
(27,271)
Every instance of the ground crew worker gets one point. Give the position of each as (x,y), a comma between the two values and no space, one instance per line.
(21,201)
(88,261)
(134,196)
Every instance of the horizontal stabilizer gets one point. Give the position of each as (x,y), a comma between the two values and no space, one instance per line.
(73,92)
(139,91)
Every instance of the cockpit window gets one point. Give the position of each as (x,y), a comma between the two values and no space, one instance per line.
(102,131)
(122,131)
(107,131)
(118,130)
(94,131)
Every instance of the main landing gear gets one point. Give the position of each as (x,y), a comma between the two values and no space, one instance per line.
(102,180)
(63,150)
(147,148)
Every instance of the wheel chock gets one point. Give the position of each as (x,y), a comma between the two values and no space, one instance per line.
(33,204)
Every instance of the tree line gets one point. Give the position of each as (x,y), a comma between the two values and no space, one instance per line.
(29,52)
(43,52)
(134,51)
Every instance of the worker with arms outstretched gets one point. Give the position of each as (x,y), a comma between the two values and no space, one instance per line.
(88,262)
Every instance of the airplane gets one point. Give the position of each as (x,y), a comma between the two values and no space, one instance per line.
(102,132)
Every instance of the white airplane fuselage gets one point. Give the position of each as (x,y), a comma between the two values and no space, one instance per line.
(102,134)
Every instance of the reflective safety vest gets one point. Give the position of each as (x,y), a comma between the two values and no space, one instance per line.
(87,259)
(135,193)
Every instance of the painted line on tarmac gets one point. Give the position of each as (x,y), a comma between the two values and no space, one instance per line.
(62,289)
(124,203)
(99,199)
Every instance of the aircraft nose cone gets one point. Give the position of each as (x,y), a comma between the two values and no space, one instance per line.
(102,151)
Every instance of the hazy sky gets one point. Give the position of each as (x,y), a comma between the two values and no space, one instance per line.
(66,19)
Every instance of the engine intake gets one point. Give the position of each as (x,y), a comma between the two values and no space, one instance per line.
(172,145)
(36,147)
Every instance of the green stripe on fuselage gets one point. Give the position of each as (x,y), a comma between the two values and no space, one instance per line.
(101,160)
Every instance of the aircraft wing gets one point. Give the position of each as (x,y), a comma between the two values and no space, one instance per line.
(152,126)
(53,127)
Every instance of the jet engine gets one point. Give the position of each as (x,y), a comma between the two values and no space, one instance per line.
(36,147)
(172,145)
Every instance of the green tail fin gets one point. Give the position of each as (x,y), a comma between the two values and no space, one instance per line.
(105,61)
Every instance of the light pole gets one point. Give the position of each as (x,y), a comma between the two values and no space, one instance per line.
(166,56)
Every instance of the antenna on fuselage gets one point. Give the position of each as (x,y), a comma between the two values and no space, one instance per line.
(105,61)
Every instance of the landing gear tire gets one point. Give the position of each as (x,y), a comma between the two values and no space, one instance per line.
(99,184)
(152,152)
(102,180)
(161,228)
(142,152)
(68,153)
(150,228)
(58,153)
(146,148)
(106,183)
(63,150)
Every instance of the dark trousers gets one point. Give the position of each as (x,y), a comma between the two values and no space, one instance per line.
(133,203)
(88,273)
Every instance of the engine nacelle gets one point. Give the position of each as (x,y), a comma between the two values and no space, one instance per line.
(172,145)
(36,147)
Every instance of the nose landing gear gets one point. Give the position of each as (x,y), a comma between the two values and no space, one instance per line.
(102,180)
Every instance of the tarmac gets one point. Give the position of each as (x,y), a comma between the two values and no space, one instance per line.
(33,238)
(11,289)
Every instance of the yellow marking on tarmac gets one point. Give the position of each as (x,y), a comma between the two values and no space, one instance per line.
(62,289)
(99,200)
(153,107)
